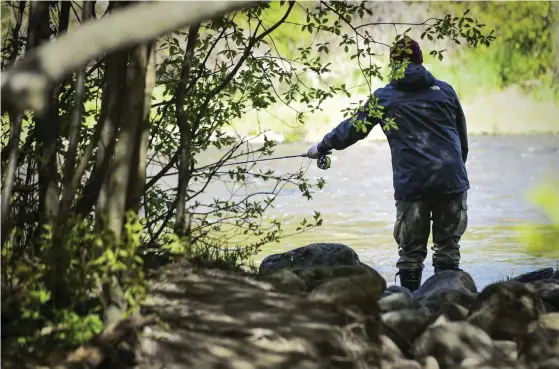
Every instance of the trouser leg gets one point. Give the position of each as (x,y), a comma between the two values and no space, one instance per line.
(411,232)
(450,220)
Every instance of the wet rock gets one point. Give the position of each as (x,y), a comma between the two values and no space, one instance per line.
(285,281)
(316,254)
(505,309)
(536,275)
(452,343)
(555,275)
(361,291)
(390,290)
(397,301)
(446,288)
(316,276)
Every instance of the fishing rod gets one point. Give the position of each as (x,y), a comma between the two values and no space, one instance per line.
(323,162)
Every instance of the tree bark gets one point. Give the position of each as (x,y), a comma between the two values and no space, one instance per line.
(185,132)
(137,105)
(69,185)
(139,160)
(9,175)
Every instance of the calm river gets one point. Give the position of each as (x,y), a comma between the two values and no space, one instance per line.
(358,207)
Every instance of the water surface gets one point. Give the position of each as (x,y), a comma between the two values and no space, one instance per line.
(358,209)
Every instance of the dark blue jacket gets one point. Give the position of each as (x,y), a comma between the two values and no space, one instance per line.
(430,145)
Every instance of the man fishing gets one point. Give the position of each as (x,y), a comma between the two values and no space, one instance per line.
(429,149)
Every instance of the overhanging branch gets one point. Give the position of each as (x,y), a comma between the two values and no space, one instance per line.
(24,85)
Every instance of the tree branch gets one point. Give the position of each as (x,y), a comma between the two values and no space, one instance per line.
(24,85)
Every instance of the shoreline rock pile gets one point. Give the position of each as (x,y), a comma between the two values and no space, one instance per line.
(319,307)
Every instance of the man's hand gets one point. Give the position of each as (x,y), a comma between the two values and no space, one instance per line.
(313,152)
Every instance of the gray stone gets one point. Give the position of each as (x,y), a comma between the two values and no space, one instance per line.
(315,276)
(397,301)
(390,351)
(404,326)
(539,346)
(507,348)
(390,290)
(316,254)
(446,288)
(505,309)
(536,275)
(452,343)
(429,363)
(360,291)
(548,290)
(285,281)
(454,312)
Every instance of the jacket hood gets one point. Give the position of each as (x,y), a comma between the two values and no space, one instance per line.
(416,77)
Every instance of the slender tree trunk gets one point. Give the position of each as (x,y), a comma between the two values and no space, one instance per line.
(185,133)
(10,172)
(122,173)
(139,160)
(46,124)
(69,185)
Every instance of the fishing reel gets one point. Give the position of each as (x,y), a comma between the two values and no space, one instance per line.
(323,162)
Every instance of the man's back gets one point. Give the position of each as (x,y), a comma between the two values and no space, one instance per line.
(429,146)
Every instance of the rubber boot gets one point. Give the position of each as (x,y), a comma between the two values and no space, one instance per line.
(410,279)
(440,267)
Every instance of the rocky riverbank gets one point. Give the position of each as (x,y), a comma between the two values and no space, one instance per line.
(320,307)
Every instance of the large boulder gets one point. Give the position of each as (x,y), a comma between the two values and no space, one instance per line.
(404,326)
(315,276)
(445,288)
(548,290)
(316,254)
(285,281)
(390,290)
(462,345)
(454,342)
(216,319)
(536,275)
(505,309)
(540,348)
(397,301)
(357,291)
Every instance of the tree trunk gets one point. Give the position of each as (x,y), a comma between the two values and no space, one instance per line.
(10,172)
(139,160)
(185,133)
(69,184)
(46,124)
(122,173)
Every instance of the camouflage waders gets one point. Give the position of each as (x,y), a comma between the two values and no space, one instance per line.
(412,229)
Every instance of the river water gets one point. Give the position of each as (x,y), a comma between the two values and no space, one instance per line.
(358,208)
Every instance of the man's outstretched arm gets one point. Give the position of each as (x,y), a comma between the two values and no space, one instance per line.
(346,133)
